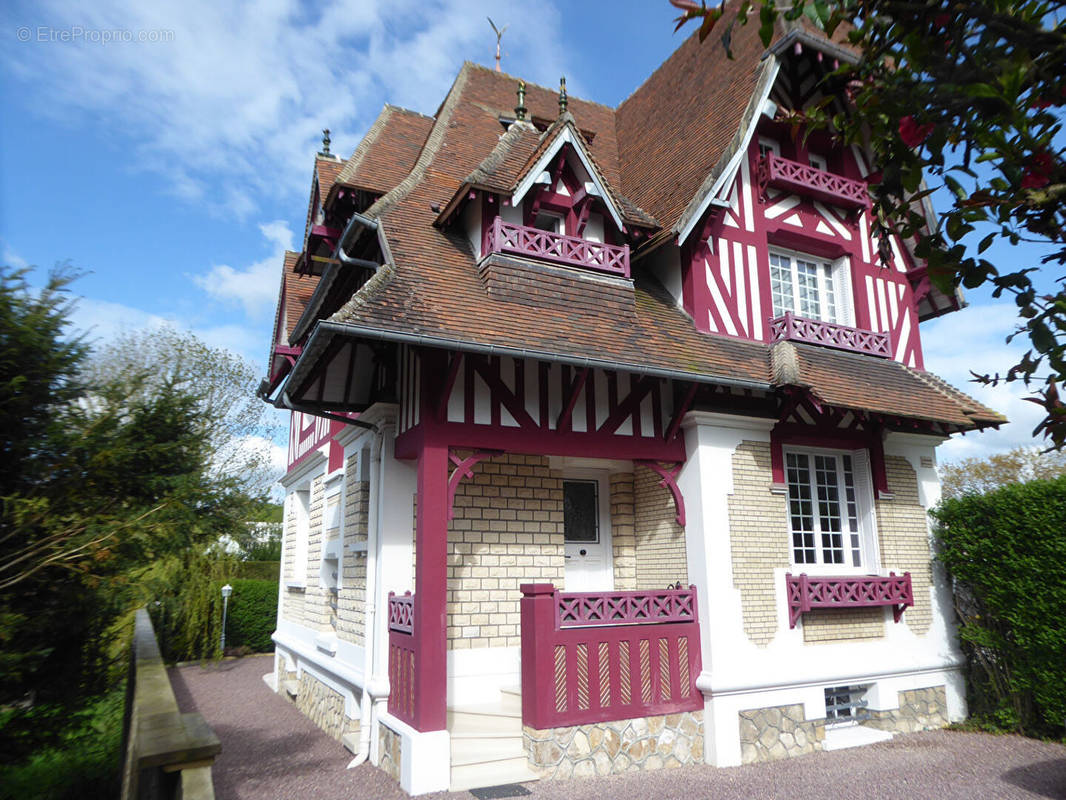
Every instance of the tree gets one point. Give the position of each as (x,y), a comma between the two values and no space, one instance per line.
(967,95)
(114,465)
(981,475)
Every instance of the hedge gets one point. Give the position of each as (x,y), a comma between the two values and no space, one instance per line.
(1006,551)
(252,616)
(257,570)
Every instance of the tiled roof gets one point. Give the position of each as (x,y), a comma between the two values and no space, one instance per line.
(387,152)
(295,293)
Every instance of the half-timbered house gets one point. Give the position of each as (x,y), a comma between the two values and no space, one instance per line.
(612,442)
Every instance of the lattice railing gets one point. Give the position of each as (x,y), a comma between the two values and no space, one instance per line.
(830,334)
(402,657)
(576,609)
(643,663)
(570,250)
(783,173)
(862,591)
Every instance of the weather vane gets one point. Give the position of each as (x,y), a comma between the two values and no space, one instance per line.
(499,35)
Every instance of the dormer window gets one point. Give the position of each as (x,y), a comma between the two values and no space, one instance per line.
(551,222)
(767,145)
(818,162)
(804,285)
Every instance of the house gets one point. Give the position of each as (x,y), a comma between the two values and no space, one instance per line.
(612,443)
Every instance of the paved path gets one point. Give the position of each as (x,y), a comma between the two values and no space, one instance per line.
(272,752)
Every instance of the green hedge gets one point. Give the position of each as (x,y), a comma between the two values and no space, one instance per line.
(257,570)
(1007,553)
(252,616)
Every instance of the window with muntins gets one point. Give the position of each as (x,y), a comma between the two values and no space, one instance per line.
(805,286)
(826,519)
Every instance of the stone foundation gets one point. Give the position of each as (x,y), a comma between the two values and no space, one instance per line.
(391,752)
(769,734)
(606,748)
(919,710)
(318,702)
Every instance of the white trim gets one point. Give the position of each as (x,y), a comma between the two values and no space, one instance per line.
(564,137)
(601,477)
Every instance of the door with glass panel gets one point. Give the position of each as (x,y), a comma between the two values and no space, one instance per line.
(587,534)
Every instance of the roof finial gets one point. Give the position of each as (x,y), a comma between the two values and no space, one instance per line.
(562,95)
(520,109)
(499,35)
(325,142)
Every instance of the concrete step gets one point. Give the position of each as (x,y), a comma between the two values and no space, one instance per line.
(484,719)
(511,699)
(475,776)
(292,688)
(486,750)
(351,742)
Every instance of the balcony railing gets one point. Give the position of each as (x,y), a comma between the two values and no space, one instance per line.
(594,657)
(865,591)
(503,237)
(402,657)
(792,176)
(829,334)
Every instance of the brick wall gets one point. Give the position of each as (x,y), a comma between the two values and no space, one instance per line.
(623,532)
(903,534)
(836,626)
(316,610)
(758,539)
(507,530)
(292,602)
(660,542)
(352,596)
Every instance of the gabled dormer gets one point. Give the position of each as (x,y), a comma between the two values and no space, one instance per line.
(321,230)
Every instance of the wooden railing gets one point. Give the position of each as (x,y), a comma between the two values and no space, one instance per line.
(862,591)
(503,237)
(167,754)
(829,334)
(783,173)
(402,657)
(594,657)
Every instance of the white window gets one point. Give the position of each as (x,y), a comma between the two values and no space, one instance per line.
(767,145)
(829,509)
(818,162)
(809,287)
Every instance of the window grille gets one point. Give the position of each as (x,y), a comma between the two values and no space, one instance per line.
(845,704)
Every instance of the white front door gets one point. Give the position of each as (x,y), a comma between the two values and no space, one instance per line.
(587,532)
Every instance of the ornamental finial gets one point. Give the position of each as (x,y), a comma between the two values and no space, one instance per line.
(520,109)
(325,141)
(562,95)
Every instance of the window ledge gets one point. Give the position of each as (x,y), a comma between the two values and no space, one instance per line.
(327,643)
(296,586)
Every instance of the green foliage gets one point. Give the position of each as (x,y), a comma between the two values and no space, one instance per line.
(187,609)
(257,570)
(52,753)
(967,96)
(253,612)
(1007,553)
(979,475)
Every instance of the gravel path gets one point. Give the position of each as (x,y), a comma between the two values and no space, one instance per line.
(272,752)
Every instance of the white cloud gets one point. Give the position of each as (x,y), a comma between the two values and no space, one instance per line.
(11,258)
(230,105)
(973,340)
(255,287)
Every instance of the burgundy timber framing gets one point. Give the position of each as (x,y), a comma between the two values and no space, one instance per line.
(806,593)
(402,657)
(793,328)
(783,173)
(641,661)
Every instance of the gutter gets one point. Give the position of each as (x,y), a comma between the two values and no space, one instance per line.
(326,328)
(284,401)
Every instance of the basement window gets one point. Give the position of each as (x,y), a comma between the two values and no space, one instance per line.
(845,704)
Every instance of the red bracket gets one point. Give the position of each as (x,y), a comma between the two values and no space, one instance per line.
(464,468)
(669,480)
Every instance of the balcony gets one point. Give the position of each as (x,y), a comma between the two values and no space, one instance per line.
(865,591)
(573,251)
(803,179)
(829,334)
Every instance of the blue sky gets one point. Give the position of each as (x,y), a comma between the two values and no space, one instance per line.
(174,167)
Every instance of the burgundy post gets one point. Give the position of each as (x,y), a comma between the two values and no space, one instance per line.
(430,603)
(538,628)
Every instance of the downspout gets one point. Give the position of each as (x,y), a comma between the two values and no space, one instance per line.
(366,707)
(343,257)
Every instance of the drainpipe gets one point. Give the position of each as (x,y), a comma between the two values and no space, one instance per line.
(364,222)
(373,531)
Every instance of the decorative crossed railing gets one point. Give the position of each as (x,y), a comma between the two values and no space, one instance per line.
(866,591)
(570,250)
(594,657)
(830,334)
(578,609)
(783,173)
(402,657)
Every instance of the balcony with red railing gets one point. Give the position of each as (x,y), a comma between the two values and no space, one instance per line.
(803,179)
(791,328)
(402,657)
(806,593)
(573,251)
(598,656)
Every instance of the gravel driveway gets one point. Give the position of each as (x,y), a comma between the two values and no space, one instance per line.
(272,752)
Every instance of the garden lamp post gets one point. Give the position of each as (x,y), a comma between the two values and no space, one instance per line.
(227,590)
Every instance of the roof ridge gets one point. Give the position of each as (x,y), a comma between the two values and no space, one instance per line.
(570,97)
(951,392)
(373,132)
(406,110)
(507,140)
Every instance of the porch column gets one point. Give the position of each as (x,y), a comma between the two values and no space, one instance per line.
(430,604)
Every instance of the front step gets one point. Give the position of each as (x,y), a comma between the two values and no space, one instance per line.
(486,744)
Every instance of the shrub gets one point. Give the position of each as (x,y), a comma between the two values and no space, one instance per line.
(257,570)
(253,612)
(1007,553)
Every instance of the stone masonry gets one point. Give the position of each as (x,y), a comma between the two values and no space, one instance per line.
(321,704)
(391,750)
(769,734)
(919,710)
(607,748)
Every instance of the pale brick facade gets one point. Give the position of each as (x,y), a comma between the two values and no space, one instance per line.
(623,531)
(352,595)
(661,559)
